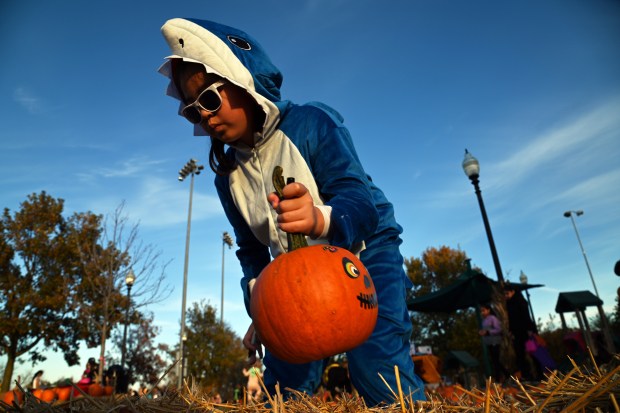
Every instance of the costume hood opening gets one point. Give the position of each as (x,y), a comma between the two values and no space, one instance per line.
(229,53)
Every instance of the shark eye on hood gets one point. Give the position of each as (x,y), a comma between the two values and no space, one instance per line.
(239,42)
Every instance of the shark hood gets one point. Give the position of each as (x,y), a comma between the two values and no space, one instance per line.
(229,53)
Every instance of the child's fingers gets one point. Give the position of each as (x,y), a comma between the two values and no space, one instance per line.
(294,190)
(273,199)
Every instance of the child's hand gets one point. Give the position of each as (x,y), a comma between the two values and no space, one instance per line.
(296,212)
(253,344)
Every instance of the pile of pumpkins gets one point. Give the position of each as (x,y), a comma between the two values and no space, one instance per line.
(60,394)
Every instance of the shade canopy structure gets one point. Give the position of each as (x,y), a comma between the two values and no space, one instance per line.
(524,286)
(470,289)
(576,302)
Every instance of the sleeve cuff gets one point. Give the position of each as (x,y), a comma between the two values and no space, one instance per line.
(326,211)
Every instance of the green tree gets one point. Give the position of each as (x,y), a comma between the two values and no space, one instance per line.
(39,269)
(105,264)
(147,360)
(436,269)
(215,354)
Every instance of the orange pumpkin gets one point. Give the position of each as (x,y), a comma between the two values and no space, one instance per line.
(108,390)
(63,393)
(312,303)
(38,393)
(80,386)
(14,395)
(96,390)
(48,395)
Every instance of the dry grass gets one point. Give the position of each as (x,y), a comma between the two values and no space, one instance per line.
(583,389)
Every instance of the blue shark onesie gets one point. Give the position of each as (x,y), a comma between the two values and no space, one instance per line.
(312,145)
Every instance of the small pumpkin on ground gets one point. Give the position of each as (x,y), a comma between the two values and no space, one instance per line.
(48,395)
(37,393)
(63,393)
(96,390)
(314,301)
(14,395)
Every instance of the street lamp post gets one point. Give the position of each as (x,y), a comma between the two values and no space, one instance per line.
(191,168)
(129,280)
(226,240)
(471,167)
(569,214)
(523,279)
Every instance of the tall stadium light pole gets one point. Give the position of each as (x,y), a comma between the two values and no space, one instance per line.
(569,214)
(191,168)
(471,167)
(129,280)
(184,359)
(226,240)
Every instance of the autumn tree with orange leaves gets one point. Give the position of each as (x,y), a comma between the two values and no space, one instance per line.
(39,269)
(62,279)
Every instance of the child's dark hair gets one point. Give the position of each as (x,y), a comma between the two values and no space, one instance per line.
(219,162)
(489,307)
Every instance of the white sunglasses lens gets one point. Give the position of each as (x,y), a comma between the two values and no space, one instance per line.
(210,100)
(192,114)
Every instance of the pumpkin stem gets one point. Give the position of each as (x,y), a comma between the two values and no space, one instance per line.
(296,240)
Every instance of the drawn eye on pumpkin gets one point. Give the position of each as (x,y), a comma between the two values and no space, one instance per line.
(349,268)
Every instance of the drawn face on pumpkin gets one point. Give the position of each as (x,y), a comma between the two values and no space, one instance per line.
(367,297)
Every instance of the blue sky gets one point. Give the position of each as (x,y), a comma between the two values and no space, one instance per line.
(531,88)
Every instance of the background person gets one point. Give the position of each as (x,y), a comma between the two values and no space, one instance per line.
(90,372)
(254,374)
(521,328)
(36,380)
(492,333)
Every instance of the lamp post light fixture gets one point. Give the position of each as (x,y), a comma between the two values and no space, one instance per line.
(569,214)
(523,279)
(130,278)
(226,240)
(471,167)
(191,168)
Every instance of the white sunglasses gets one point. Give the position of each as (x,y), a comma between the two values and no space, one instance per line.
(209,100)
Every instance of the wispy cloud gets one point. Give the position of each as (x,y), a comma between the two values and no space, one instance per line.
(130,167)
(155,202)
(598,189)
(160,203)
(27,100)
(572,138)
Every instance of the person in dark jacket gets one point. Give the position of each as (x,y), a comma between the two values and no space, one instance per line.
(521,327)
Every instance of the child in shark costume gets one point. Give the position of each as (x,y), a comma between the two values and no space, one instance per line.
(312,145)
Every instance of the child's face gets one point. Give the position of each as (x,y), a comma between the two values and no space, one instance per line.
(485,311)
(234,120)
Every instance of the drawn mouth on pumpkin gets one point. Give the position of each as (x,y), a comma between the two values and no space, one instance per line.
(367,301)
